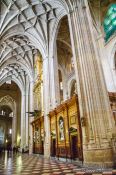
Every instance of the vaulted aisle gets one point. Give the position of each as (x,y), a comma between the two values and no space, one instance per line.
(58,79)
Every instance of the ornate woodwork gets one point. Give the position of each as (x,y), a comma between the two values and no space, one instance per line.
(112,97)
(38,135)
(65,118)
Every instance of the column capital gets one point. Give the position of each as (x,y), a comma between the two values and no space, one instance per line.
(45,58)
(52,57)
(23,94)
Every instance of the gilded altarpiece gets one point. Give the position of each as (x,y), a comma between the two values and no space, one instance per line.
(66,139)
(112,97)
(38,135)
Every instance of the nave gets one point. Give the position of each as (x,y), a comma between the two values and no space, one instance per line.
(25,164)
(58,81)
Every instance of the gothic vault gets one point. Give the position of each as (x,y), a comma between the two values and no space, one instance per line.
(58,78)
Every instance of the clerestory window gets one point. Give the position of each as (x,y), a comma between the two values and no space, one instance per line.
(110,22)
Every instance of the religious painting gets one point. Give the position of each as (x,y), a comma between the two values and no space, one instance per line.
(73,119)
(61,128)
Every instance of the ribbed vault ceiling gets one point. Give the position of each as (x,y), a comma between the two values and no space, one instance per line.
(25,27)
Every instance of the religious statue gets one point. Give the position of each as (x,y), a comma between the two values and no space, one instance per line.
(61,128)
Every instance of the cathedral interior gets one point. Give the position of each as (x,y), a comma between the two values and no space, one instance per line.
(57,86)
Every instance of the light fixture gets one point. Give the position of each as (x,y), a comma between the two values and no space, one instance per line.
(10,131)
(2,113)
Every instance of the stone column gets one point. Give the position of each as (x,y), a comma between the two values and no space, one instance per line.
(26,115)
(42,95)
(51,96)
(54,83)
(14,126)
(65,88)
(106,71)
(93,97)
(31,118)
(46,100)
(23,119)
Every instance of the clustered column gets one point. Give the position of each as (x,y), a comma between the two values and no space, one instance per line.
(46,101)
(23,121)
(31,118)
(54,83)
(93,98)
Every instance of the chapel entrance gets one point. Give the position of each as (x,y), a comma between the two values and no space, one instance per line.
(42,147)
(74,148)
(65,129)
(6,123)
(53,148)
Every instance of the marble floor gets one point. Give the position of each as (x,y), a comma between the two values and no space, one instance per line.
(24,164)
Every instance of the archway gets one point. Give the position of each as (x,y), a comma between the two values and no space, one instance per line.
(10,98)
(64,54)
(6,122)
(67,93)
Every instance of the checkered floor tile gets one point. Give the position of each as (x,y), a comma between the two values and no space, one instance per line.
(24,164)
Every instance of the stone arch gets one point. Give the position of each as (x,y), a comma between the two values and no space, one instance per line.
(112,63)
(15,80)
(35,41)
(72,87)
(10,102)
(41,36)
(55,33)
(113,57)
(24,67)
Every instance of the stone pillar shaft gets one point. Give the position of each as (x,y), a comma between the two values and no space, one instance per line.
(23,135)
(31,119)
(46,101)
(93,97)
(54,82)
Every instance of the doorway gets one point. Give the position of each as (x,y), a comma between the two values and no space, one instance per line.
(42,147)
(6,139)
(53,148)
(74,148)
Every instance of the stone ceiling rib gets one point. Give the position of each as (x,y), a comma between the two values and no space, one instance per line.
(18,48)
(35,21)
(12,72)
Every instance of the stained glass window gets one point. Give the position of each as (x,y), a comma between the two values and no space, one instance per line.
(110,22)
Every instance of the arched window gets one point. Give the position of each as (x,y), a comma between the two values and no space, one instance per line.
(110,22)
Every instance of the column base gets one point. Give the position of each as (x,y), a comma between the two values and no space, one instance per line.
(30,149)
(47,151)
(99,157)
